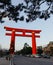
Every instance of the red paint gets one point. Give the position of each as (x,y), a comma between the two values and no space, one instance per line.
(23,34)
(33,43)
(12,45)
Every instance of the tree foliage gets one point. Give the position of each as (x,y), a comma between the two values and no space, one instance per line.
(39,51)
(32,8)
(26,50)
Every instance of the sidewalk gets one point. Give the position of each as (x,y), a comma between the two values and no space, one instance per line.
(3,61)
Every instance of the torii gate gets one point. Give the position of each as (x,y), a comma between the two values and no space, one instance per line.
(23,34)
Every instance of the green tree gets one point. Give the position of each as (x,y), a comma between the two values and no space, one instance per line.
(26,45)
(27,50)
(39,51)
(32,8)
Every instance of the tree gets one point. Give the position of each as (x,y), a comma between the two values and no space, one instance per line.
(26,45)
(39,50)
(31,8)
(0,51)
(26,50)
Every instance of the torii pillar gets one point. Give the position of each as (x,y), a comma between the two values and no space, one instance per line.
(33,43)
(12,44)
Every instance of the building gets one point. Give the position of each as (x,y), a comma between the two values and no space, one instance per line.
(48,49)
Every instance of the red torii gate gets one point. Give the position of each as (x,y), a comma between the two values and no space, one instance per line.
(23,34)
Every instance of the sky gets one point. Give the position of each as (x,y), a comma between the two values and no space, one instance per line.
(46,34)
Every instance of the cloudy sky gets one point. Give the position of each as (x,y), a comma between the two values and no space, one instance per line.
(46,34)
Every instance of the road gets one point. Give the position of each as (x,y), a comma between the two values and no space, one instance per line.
(3,61)
(20,60)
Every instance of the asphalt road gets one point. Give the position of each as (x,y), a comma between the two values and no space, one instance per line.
(21,60)
(3,61)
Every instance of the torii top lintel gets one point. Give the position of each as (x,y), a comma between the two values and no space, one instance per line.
(21,30)
(24,31)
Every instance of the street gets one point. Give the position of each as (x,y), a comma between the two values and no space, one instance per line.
(3,61)
(21,60)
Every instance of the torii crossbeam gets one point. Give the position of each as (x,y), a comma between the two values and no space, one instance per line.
(23,33)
